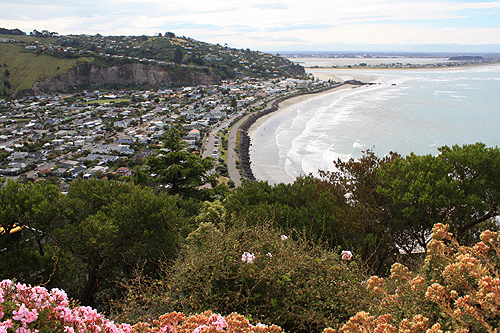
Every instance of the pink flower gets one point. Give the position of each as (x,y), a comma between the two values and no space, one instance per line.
(199,328)
(269,254)
(5,284)
(346,255)
(126,328)
(5,325)
(24,315)
(284,237)
(218,321)
(59,296)
(247,257)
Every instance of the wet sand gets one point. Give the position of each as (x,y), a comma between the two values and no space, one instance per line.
(262,134)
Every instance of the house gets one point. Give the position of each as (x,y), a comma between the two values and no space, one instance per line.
(194,133)
(124,171)
(44,172)
(68,164)
(126,140)
(98,168)
(18,155)
(75,172)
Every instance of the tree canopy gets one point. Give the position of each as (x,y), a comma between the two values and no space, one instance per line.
(180,171)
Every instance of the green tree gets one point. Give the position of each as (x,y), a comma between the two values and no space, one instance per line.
(182,172)
(178,55)
(25,254)
(460,186)
(108,228)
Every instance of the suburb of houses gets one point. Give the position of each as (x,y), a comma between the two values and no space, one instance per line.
(109,134)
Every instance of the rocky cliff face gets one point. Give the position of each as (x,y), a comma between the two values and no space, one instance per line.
(138,75)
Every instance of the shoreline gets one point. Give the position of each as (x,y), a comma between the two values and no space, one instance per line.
(279,103)
(278,156)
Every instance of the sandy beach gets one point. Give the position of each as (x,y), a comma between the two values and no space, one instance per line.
(265,166)
(406,111)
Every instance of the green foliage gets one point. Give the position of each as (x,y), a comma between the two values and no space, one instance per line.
(302,287)
(178,55)
(181,171)
(302,206)
(31,206)
(460,186)
(106,228)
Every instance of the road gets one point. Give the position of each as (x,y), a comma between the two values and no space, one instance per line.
(209,145)
(234,173)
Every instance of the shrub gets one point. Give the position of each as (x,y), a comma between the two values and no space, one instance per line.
(257,272)
(25,309)
(205,322)
(458,290)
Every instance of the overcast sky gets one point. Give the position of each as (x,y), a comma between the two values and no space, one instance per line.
(272,25)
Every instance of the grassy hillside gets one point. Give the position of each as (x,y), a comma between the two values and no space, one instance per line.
(21,68)
(25,59)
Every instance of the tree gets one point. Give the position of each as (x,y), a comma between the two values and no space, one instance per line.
(182,172)
(460,186)
(106,229)
(31,206)
(178,55)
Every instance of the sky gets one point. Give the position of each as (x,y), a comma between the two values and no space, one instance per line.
(275,25)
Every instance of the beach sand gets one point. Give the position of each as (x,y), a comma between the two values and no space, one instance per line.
(267,166)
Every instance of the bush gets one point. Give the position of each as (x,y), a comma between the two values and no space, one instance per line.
(205,322)
(35,309)
(257,272)
(26,309)
(458,290)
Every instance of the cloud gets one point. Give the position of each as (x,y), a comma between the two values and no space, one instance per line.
(275,5)
(259,23)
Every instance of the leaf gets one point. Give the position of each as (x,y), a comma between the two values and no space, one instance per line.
(273,302)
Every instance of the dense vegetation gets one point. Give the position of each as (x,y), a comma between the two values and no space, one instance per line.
(297,255)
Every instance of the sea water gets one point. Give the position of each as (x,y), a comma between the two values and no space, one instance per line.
(405,111)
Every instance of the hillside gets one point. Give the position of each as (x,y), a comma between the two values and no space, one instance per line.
(62,63)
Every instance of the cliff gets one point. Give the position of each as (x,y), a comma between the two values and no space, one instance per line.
(145,76)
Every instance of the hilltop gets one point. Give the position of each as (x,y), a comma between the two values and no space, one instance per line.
(45,62)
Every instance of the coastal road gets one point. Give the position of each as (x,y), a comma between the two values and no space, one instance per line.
(234,173)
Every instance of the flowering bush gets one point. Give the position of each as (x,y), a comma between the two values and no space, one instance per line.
(203,323)
(458,290)
(25,309)
(253,271)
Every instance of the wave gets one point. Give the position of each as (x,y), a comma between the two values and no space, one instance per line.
(407,112)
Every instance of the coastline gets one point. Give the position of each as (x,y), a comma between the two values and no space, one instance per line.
(415,112)
(245,141)
(249,127)
(266,165)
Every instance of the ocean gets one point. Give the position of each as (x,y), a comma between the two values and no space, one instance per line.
(405,111)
